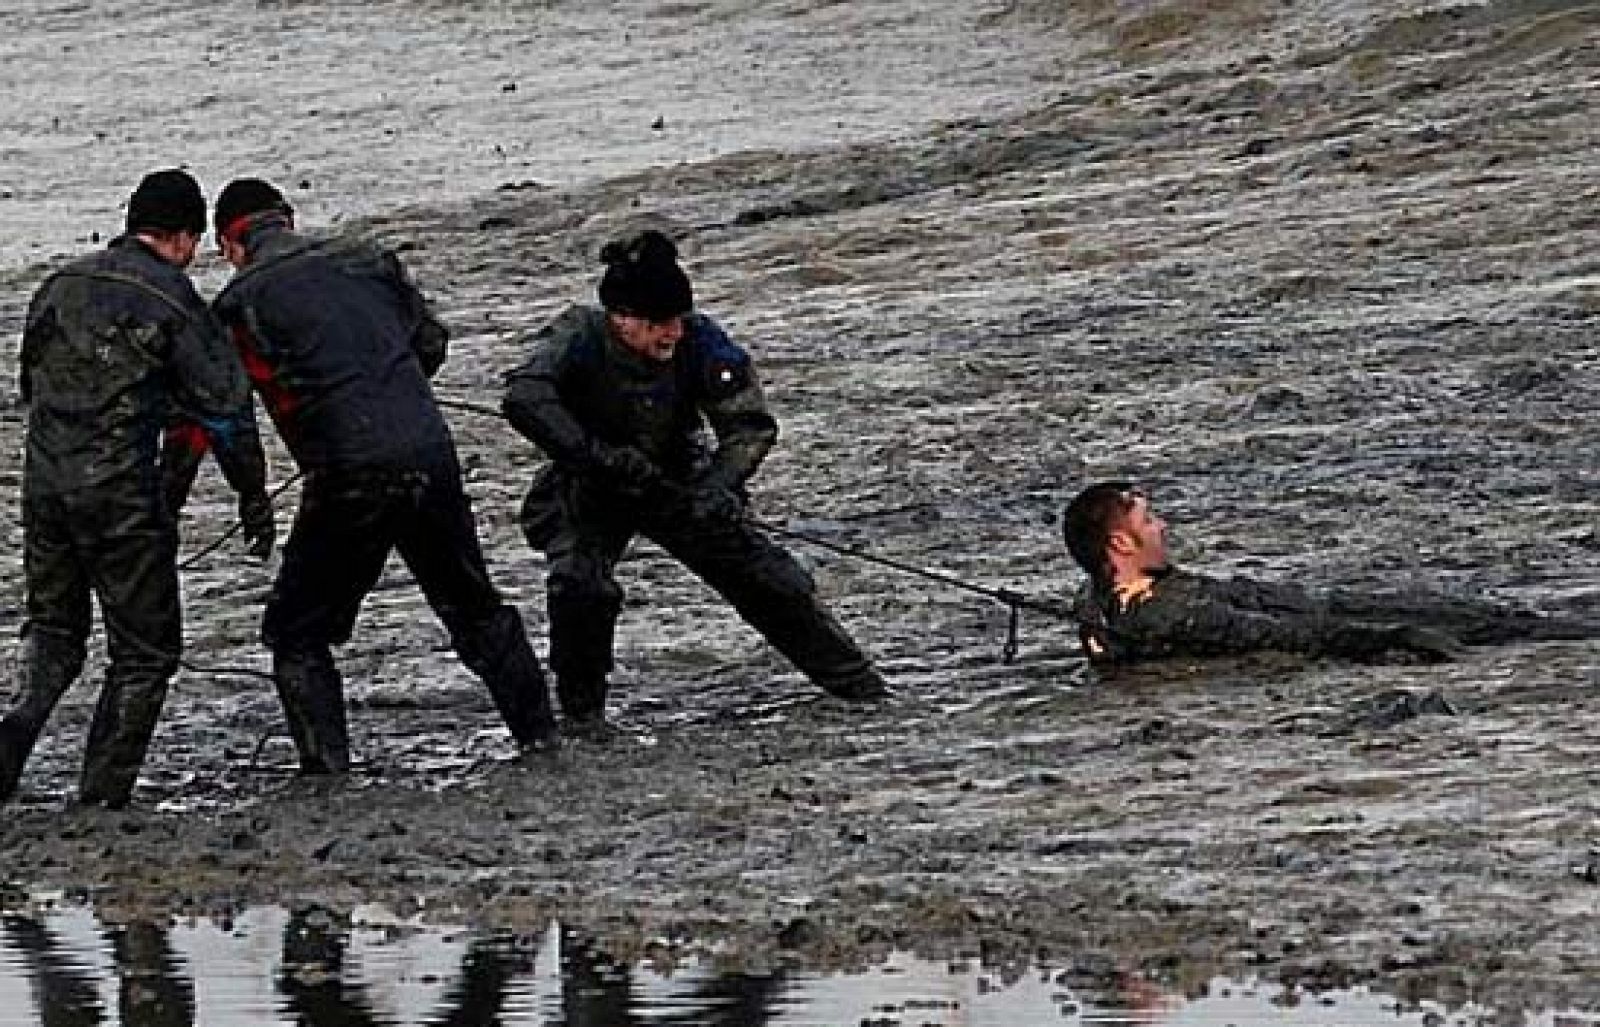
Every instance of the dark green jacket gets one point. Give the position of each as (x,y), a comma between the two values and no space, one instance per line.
(117,345)
(584,399)
(1188,615)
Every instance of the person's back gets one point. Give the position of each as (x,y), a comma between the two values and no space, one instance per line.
(340,344)
(114,345)
(94,371)
(330,328)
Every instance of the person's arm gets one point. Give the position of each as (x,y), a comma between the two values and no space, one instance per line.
(734,406)
(39,324)
(535,406)
(430,339)
(229,432)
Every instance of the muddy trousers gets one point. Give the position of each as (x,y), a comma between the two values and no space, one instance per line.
(765,584)
(121,550)
(342,537)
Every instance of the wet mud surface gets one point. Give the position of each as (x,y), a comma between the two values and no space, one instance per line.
(1324,280)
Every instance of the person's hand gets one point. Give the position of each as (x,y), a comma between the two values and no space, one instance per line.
(715,503)
(259,530)
(629,467)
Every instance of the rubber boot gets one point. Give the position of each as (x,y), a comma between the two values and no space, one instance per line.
(312,693)
(865,685)
(124,719)
(583,704)
(16,745)
(497,650)
(46,668)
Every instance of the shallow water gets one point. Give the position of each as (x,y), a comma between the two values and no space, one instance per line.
(267,965)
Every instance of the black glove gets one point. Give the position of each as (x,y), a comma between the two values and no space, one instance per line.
(627,468)
(255,518)
(715,503)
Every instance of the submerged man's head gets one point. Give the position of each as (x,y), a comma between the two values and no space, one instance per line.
(1113,534)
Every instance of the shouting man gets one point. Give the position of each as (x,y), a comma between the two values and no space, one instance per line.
(619,398)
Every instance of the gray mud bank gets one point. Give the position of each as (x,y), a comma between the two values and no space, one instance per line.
(1325,282)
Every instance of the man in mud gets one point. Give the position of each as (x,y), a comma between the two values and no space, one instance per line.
(1137,606)
(341,345)
(618,398)
(115,345)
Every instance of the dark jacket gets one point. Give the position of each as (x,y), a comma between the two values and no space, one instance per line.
(1189,614)
(117,345)
(340,345)
(595,408)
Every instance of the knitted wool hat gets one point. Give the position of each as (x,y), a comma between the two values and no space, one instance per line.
(643,278)
(242,199)
(167,201)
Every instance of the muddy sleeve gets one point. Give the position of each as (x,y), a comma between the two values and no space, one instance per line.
(229,431)
(536,406)
(1473,621)
(38,324)
(735,408)
(430,339)
(1207,627)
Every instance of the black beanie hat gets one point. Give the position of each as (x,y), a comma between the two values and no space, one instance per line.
(243,197)
(167,201)
(643,277)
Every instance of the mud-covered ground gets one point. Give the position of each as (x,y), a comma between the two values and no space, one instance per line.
(1322,277)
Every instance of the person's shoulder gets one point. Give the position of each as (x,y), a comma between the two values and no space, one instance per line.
(281,252)
(133,269)
(578,326)
(710,340)
(1093,608)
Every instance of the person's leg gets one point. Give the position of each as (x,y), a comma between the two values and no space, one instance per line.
(582,545)
(439,542)
(776,596)
(336,550)
(53,637)
(1472,621)
(132,562)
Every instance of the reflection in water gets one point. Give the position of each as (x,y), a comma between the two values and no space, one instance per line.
(313,978)
(64,991)
(321,968)
(152,987)
(487,972)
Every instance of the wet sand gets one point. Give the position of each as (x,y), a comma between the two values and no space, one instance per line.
(1323,280)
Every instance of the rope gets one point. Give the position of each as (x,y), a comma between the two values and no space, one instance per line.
(1015,601)
(215,544)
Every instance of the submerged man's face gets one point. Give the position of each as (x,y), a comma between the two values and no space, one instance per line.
(651,339)
(1145,535)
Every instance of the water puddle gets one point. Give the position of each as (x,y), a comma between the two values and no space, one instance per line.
(68,964)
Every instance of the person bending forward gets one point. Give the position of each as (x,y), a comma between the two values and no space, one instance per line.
(341,345)
(618,398)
